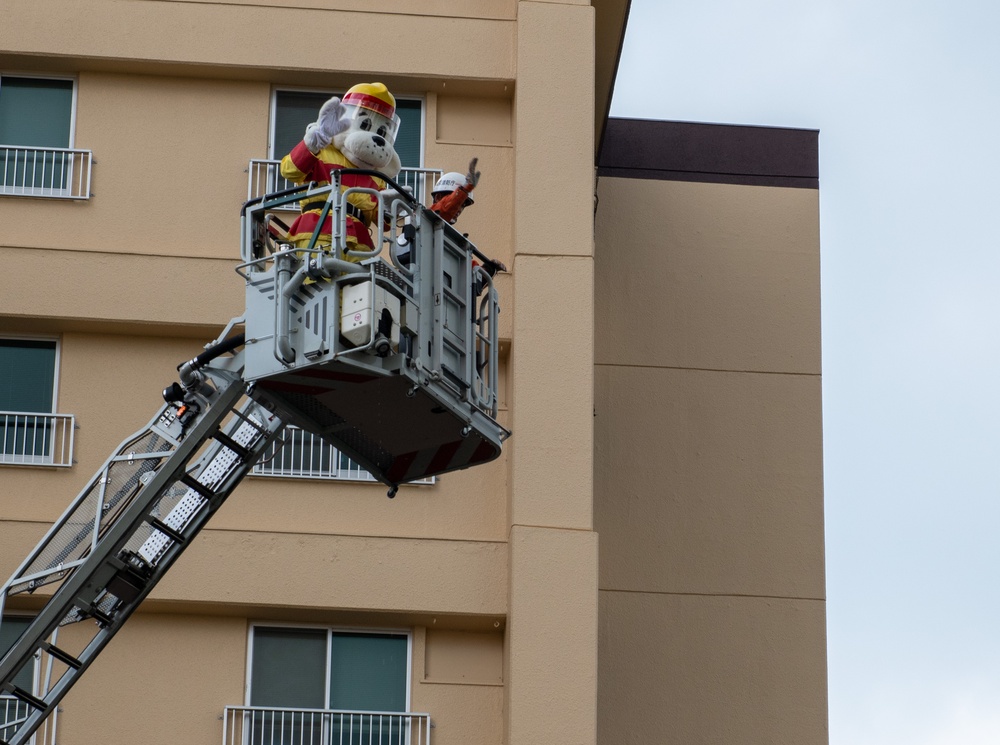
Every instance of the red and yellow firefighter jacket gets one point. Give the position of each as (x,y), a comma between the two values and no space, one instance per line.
(301,166)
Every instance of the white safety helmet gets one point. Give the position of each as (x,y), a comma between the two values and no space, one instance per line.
(448,183)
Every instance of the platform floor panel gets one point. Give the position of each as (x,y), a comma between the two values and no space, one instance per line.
(399,437)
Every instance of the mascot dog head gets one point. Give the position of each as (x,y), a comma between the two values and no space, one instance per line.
(370,138)
(362,126)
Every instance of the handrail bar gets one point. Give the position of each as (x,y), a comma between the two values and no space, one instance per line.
(297,710)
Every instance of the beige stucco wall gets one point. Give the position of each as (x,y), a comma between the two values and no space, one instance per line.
(708,464)
(265,40)
(164,679)
(711,669)
(461,671)
(551,669)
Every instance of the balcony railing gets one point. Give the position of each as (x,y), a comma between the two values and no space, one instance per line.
(265,178)
(51,172)
(255,725)
(303,455)
(13,711)
(28,439)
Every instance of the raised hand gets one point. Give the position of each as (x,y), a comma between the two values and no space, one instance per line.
(330,123)
(472,177)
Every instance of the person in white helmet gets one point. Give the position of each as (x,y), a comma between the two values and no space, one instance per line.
(453,193)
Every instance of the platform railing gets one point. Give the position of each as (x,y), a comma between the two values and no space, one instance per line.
(265,178)
(36,439)
(256,725)
(49,172)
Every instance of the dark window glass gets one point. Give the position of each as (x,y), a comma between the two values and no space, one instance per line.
(34,113)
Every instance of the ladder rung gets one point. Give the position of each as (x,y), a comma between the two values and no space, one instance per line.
(167,530)
(190,482)
(26,697)
(230,443)
(63,656)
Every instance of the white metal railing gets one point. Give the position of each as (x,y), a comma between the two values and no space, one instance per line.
(303,455)
(29,439)
(13,711)
(53,172)
(256,725)
(266,178)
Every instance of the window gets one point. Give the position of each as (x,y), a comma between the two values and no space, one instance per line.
(11,708)
(293,670)
(293,110)
(27,394)
(36,124)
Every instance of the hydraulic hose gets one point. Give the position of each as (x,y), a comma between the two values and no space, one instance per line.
(188,371)
(226,345)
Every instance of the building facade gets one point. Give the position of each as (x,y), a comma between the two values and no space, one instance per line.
(708,453)
(645,561)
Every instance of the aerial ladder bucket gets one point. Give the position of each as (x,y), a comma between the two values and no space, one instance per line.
(393,362)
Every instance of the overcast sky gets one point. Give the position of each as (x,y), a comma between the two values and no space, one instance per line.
(905,96)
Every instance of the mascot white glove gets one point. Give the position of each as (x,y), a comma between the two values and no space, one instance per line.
(331,122)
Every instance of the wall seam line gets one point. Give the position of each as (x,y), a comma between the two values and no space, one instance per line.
(712,594)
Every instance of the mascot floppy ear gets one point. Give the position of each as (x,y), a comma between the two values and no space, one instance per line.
(332,121)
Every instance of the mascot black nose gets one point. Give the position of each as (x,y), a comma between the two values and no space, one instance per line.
(380,141)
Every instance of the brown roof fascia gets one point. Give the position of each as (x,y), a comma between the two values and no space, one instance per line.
(714,153)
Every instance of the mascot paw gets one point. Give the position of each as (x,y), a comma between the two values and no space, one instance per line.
(332,118)
(330,123)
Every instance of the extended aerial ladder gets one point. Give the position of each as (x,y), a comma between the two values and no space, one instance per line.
(393,362)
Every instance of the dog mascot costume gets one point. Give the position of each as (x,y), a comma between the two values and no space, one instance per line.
(358,131)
